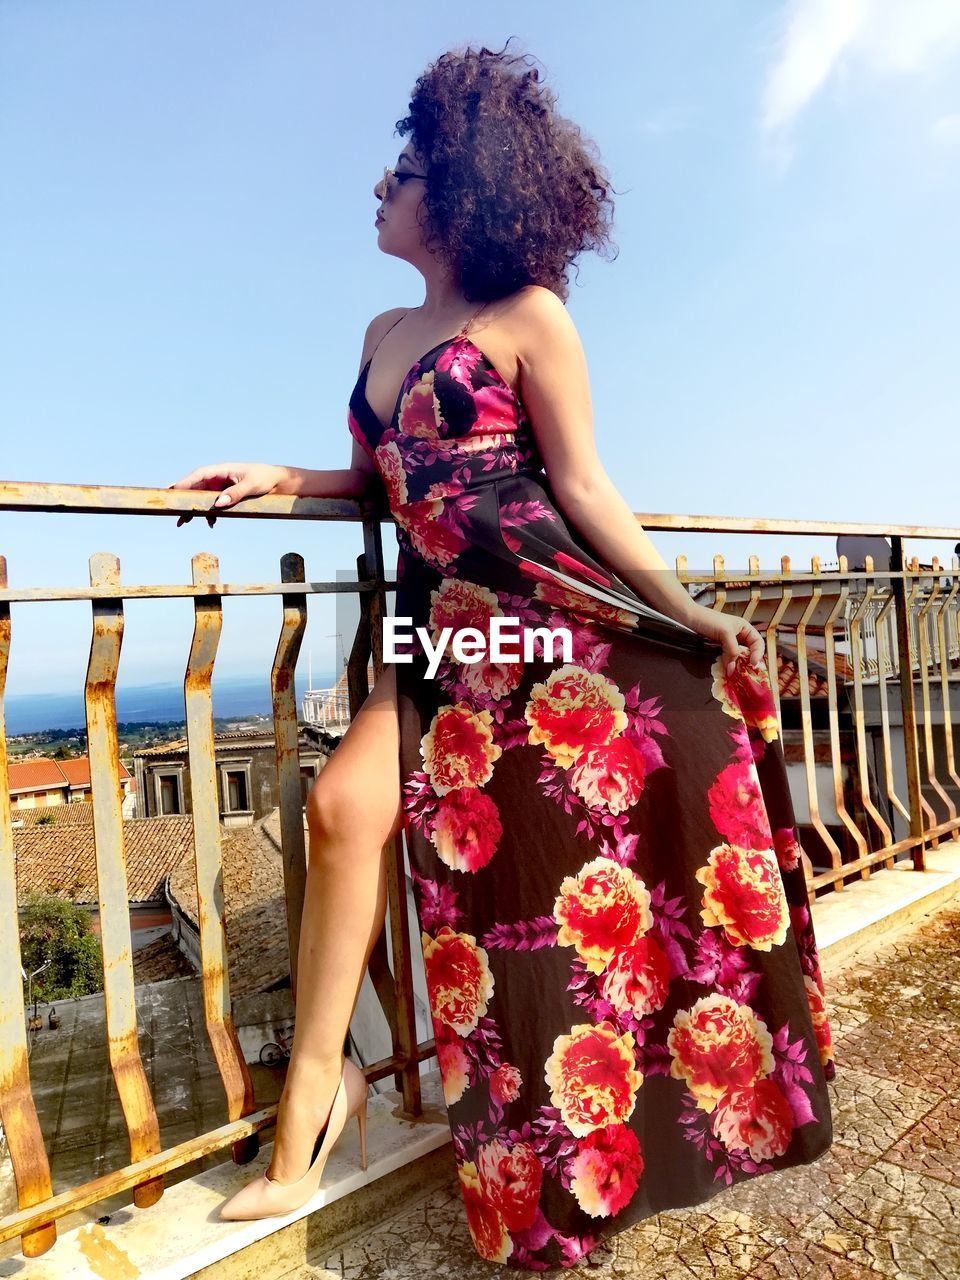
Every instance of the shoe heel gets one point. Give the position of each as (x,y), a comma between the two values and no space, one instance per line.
(362,1122)
(358,1091)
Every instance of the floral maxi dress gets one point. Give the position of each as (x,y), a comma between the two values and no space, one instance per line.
(622,971)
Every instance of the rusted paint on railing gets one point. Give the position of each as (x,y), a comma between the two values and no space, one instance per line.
(119,994)
(198,702)
(28,1156)
(934,827)
(98,499)
(143,1172)
(925,657)
(833,715)
(948,606)
(862,610)
(176,590)
(773,667)
(928,817)
(24,495)
(286,736)
(915,801)
(884,644)
(834,593)
(806,726)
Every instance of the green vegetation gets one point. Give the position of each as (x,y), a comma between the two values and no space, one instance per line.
(56,930)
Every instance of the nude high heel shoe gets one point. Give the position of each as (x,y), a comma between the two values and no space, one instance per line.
(263,1197)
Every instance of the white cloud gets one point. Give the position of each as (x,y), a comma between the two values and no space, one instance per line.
(819,38)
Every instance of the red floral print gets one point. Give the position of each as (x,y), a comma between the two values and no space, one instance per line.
(621,968)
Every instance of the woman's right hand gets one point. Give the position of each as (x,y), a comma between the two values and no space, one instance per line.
(236,480)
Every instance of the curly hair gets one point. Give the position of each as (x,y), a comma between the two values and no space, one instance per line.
(514,191)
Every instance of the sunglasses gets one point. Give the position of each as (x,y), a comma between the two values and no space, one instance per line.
(400,177)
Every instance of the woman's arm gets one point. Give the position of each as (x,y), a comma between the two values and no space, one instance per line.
(359,480)
(555,389)
(554,386)
(238,480)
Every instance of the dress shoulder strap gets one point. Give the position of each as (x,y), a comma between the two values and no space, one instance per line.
(385,332)
(469,321)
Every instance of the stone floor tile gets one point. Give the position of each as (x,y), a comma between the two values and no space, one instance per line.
(428,1238)
(932,1146)
(431,1239)
(714,1243)
(843,1019)
(801,1259)
(908,1050)
(904,1225)
(886,995)
(870,1112)
(787,1197)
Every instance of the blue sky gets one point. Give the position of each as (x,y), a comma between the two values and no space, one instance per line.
(188,262)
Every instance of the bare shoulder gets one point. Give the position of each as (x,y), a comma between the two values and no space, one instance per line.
(377,327)
(534,315)
(538,328)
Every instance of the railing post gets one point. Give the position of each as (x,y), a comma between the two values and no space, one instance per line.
(18,1111)
(208,860)
(943,643)
(114,900)
(286,736)
(908,714)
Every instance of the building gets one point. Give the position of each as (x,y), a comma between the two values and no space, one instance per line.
(246,767)
(42,782)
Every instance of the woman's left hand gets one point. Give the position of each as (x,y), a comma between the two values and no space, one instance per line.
(738,637)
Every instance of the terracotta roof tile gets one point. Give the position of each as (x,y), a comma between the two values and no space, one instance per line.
(180,745)
(76,814)
(60,858)
(35,773)
(257,955)
(43,771)
(163,749)
(77,771)
(161,960)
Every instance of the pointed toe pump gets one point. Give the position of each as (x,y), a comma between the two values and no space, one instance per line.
(264,1197)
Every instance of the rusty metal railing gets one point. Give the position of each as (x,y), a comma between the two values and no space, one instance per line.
(913,638)
(909,614)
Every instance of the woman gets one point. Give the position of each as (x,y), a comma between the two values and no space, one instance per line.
(623,976)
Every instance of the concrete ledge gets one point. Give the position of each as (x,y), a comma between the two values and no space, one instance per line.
(182,1234)
(865,910)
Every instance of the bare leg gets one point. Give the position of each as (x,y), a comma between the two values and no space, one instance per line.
(353,809)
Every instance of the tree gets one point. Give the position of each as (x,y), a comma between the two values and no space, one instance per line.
(53,929)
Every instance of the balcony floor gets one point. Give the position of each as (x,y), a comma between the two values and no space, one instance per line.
(883,1201)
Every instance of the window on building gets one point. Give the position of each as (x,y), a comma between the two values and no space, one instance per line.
(169,785)
(236,787)
(307,775)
